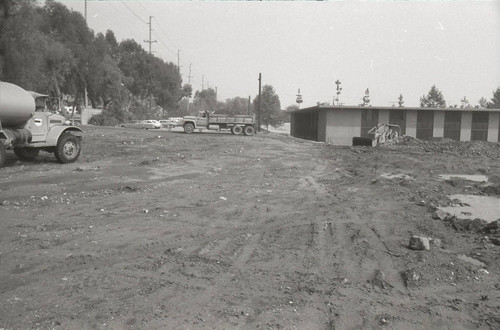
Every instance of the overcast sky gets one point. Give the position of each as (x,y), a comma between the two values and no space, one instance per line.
(390,47)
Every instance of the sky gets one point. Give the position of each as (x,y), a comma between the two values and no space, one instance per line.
(389,47)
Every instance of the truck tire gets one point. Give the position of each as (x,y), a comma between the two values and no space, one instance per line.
(237,129)
(248,130)
(2,154)
(26,153)
(189,128)
(68,148)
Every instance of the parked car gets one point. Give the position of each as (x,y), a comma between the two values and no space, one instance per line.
(156,123)
(144,124)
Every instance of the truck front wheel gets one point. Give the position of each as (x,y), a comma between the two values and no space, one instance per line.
(26,153)
(68,148)
(189,128)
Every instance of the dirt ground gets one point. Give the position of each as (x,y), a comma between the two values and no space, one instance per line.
(160,229)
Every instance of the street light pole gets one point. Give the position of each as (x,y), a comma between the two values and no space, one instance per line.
(260,102)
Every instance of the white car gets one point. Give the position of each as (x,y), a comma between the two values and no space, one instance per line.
(156,124)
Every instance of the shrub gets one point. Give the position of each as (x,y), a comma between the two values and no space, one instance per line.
(104,119)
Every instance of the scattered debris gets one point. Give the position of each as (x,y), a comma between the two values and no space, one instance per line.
(410,277)
(473,261)
(379,280)
(475,178)
(435,242)
(419,243)
(440,215)
(397,176)
(392,253)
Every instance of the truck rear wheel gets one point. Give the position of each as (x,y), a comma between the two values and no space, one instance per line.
(248,130)
(2,154)
(189,128)
(26,153)
(68,148)
(237,129)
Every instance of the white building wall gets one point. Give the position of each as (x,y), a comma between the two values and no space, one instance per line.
(411,123)
(465,128)
(493,126)
(438,130)
(342,126)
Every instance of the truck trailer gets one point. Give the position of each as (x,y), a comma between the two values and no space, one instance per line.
(236,124)
(27,127)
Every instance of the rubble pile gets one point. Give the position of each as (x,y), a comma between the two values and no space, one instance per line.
(444,145)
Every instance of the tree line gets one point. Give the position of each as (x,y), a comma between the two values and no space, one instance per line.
(434,99)
(49,48)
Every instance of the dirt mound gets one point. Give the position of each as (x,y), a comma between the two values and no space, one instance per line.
(444,145)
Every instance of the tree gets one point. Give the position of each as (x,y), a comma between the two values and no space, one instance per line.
(366,99)
(186,91)
(204,100)
(400,101)
(495,100)
(236,106)
(270,106)
(483,103)
(22,46)
(434,99)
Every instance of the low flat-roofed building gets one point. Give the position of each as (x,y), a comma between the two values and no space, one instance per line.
(338,125)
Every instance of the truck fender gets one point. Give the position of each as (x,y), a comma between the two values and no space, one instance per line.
(56,131)
(189,122)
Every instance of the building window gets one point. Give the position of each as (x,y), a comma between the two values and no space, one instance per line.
(479,128)
(369,119)
(452,125)
(425,124)
(398,117)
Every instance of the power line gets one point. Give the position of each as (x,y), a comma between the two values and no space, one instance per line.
(161,28)
(133,12)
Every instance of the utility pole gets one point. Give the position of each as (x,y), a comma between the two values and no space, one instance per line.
(202,82)
(150,42)
(85,83)
(260,102)
(189,82)
(150,29)
(248,110)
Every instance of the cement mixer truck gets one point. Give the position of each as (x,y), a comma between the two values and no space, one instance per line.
(26,127)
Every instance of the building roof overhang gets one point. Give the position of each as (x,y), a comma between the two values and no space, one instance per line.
(353,107)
